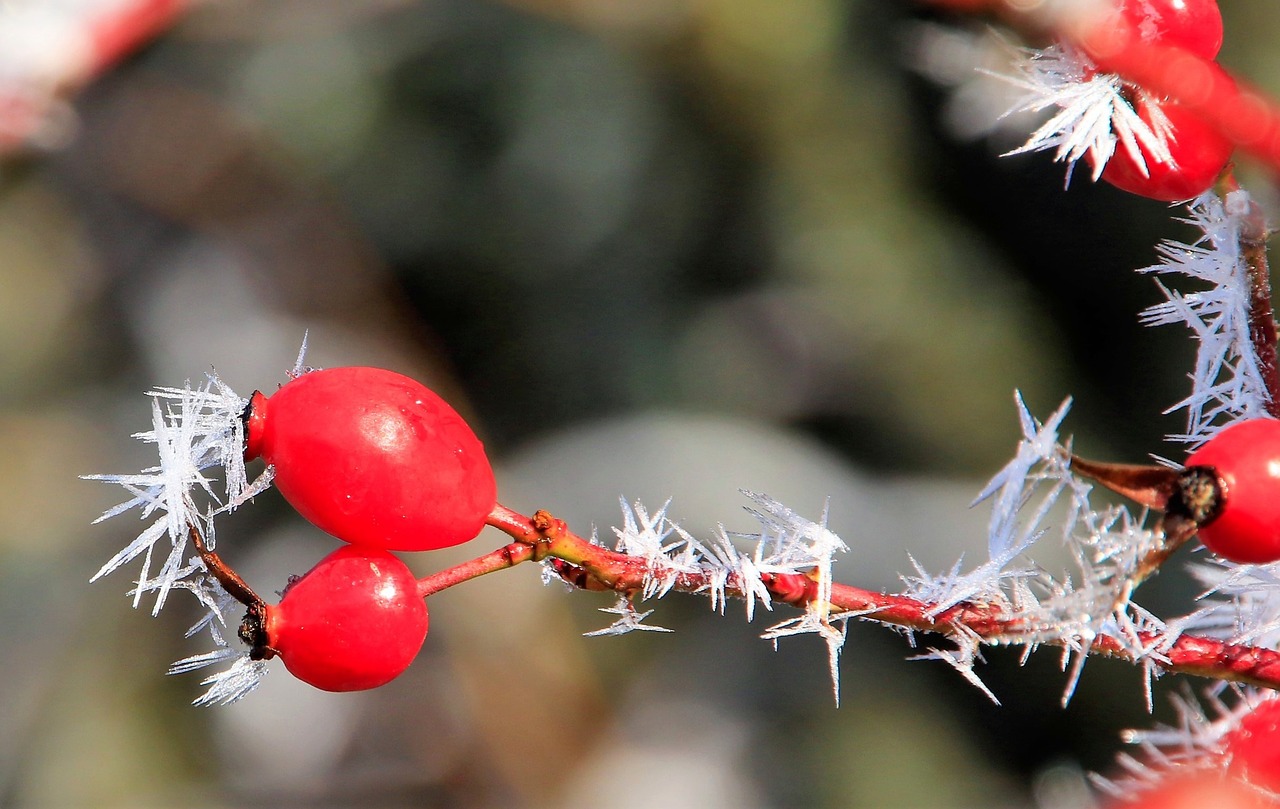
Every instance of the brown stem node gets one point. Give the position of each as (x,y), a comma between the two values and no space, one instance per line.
(231,581)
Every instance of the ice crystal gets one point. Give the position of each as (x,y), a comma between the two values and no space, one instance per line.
(967,652)
(1227,382)
(233,683)
(243,675)
(196,431)
(787,544)
(199,435)
(668,550)
(1038,474)
(1107,546)
(970,64)
(1093,114)
(1241,605)
(817,620)
(629,620)
(1194,742)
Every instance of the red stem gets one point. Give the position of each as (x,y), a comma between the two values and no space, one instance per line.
(501,559)
(595,567)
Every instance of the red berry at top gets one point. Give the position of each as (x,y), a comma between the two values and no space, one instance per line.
(1199,154)
(354,621)
(373,458)
(1246,458)
(1195,25)
(1253,748)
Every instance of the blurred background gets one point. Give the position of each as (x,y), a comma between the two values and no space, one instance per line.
(656,249)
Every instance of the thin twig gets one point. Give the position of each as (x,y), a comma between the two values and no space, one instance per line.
(501,559)
(544,536)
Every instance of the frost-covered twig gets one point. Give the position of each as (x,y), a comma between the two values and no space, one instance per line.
(1136,638)
(199,435)
(1235,375)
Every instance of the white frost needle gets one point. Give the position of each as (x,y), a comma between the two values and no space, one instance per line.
(1192,742)
(962,659)
(787,544)
(629,620)
(234,683)
(199,436)
(195,431)
(1092,112)
(1227,383)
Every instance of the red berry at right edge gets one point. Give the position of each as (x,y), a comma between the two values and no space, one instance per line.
(1192,24)
(354,621)
(1253,747)
(374,458)
(1245,456)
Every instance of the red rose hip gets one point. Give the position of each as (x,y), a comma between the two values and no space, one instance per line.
(1192,24)
(354,621)
(1253,747)
(1245,458)
(374,458)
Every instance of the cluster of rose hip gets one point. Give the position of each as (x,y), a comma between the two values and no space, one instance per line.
(384,464)
(1199,152)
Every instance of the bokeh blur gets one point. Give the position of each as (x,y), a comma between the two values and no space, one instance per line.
(652,249)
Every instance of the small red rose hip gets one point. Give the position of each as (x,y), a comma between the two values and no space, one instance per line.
(1195,25)
(1245,457)
(1199,154)
(374,458)
(354,621)
(1253,748)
